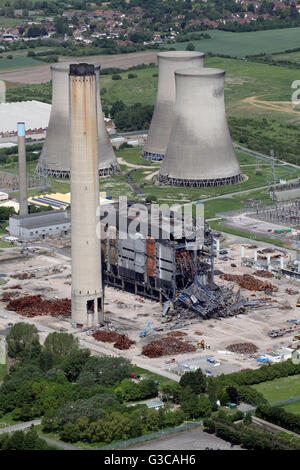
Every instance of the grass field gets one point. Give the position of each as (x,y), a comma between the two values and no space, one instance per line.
(251,89)
(249,43)
(291,57)
(293,408)
(17,62)
(280,389)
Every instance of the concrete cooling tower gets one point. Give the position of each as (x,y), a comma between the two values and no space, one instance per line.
(163,116)
(55,156)
(200,151)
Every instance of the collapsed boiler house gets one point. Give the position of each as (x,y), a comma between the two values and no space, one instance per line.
(155,267)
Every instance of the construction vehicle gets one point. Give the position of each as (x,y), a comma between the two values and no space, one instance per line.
(145,333)
(296,338)
(201,345)
(298,302)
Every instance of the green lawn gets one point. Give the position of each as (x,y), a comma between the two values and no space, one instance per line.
(280,389)
(151,375)
(248,43)
(293,408)
(133,155)
(4,244)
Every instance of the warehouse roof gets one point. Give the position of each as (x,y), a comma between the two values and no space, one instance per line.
(35,114)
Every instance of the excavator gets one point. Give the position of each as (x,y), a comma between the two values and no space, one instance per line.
(298,302)
(201,345)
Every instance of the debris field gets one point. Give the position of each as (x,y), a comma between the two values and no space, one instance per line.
(246,281)
(167,346)
(120,341)
(243,348)
(34,305)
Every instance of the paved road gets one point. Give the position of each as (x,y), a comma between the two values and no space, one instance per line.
(20,426)
(187,440)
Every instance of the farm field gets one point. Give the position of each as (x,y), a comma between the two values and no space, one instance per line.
(280,389)
(290,57)
(17,62)
(251,89)
(248,43)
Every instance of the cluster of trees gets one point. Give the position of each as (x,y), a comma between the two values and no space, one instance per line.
(130,391)
(40,92)
(130,118)
(9,155)
(265,134)
(47,377)
(248,437)
(116,425)
(20,440)
(279,416)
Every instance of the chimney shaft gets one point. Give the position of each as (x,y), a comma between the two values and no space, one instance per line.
(23,205)
(87,301)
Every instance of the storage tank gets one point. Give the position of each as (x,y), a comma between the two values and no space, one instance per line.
(162,120)
(55,156)
(200,151)
(87,293)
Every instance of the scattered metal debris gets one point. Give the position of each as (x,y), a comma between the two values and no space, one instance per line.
(243,348)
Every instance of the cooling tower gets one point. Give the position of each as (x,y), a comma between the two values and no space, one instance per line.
(163,116)
(200,152)
(55,155)
(87,303)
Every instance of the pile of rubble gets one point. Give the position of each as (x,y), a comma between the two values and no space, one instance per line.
(167,346)
(23,276)
(205,301)
(7,296)
(263,273)
(246,281)
(120,341)
(33,305)
(291,291)
(12,287)
(243,348)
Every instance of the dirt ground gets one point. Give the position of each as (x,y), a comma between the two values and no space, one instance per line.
(41,74)
(130,314)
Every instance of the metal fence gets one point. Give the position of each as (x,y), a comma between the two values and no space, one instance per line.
(152,436)
(285,402)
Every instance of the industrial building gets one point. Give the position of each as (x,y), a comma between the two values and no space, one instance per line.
(55,156)
(200,151)
(163,116)
(40,225)
(35,113)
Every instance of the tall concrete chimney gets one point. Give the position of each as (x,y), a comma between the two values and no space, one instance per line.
(23,204)
(55,155)
(163,116)
(87,294)
(200,151)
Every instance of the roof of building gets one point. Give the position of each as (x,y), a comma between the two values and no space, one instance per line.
(35,114)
